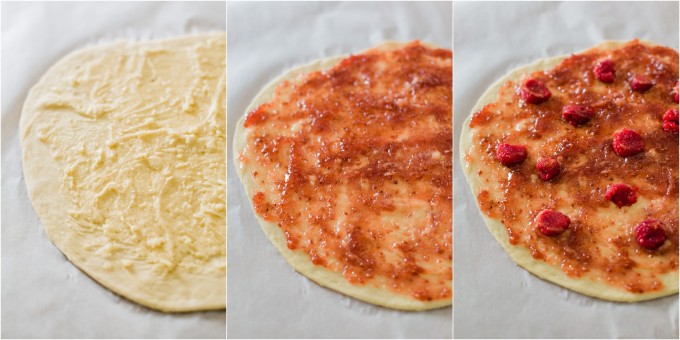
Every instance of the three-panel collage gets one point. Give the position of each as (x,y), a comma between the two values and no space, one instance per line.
(331,169)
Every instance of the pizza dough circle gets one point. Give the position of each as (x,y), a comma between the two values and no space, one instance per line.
(123,149)
(521,255)
(298,259)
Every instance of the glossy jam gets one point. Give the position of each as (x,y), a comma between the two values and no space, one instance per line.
(354,165)
(600,243)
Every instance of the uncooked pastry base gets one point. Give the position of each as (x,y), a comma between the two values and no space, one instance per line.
(120,267)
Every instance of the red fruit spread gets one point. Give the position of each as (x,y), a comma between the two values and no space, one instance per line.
(353,163)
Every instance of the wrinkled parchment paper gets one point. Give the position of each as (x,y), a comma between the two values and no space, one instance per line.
(493,296)
(266,297)
(43,294)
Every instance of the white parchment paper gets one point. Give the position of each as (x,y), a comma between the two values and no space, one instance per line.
(43,294)
(266,297)
(494,297)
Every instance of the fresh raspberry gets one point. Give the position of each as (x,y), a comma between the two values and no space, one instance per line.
(509,154)
(548,168)
(670,121)
(640,83)
(676,91)
(627,143)
(650,234)
(577,114)
(604,71)
(534,91)
(551,222)
(621,195)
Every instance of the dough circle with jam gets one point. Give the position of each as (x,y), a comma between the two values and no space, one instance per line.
(597,254)
(393,249)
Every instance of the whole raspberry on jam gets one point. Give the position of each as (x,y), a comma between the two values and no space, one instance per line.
(534,91)
(621,195)
(548,168)
(640,83)
(604,71)
(551,222)
(670,121)
(650,234)
(577,114)
(509,154)
(627,143)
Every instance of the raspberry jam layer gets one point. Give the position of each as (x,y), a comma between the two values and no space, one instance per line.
(353,164)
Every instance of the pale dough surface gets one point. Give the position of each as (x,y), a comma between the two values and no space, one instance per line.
(298,259)
(521,255)
(123,150)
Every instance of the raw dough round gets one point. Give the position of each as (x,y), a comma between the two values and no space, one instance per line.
(124,158)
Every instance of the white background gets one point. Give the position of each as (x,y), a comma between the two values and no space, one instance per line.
(43,294)
(266,297)
(493,296)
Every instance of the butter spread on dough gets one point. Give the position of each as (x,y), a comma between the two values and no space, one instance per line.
(311,248)
(608,216)
(124,159)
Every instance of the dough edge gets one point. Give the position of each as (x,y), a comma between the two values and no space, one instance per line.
(298,259)
(521,255)
(41,176)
